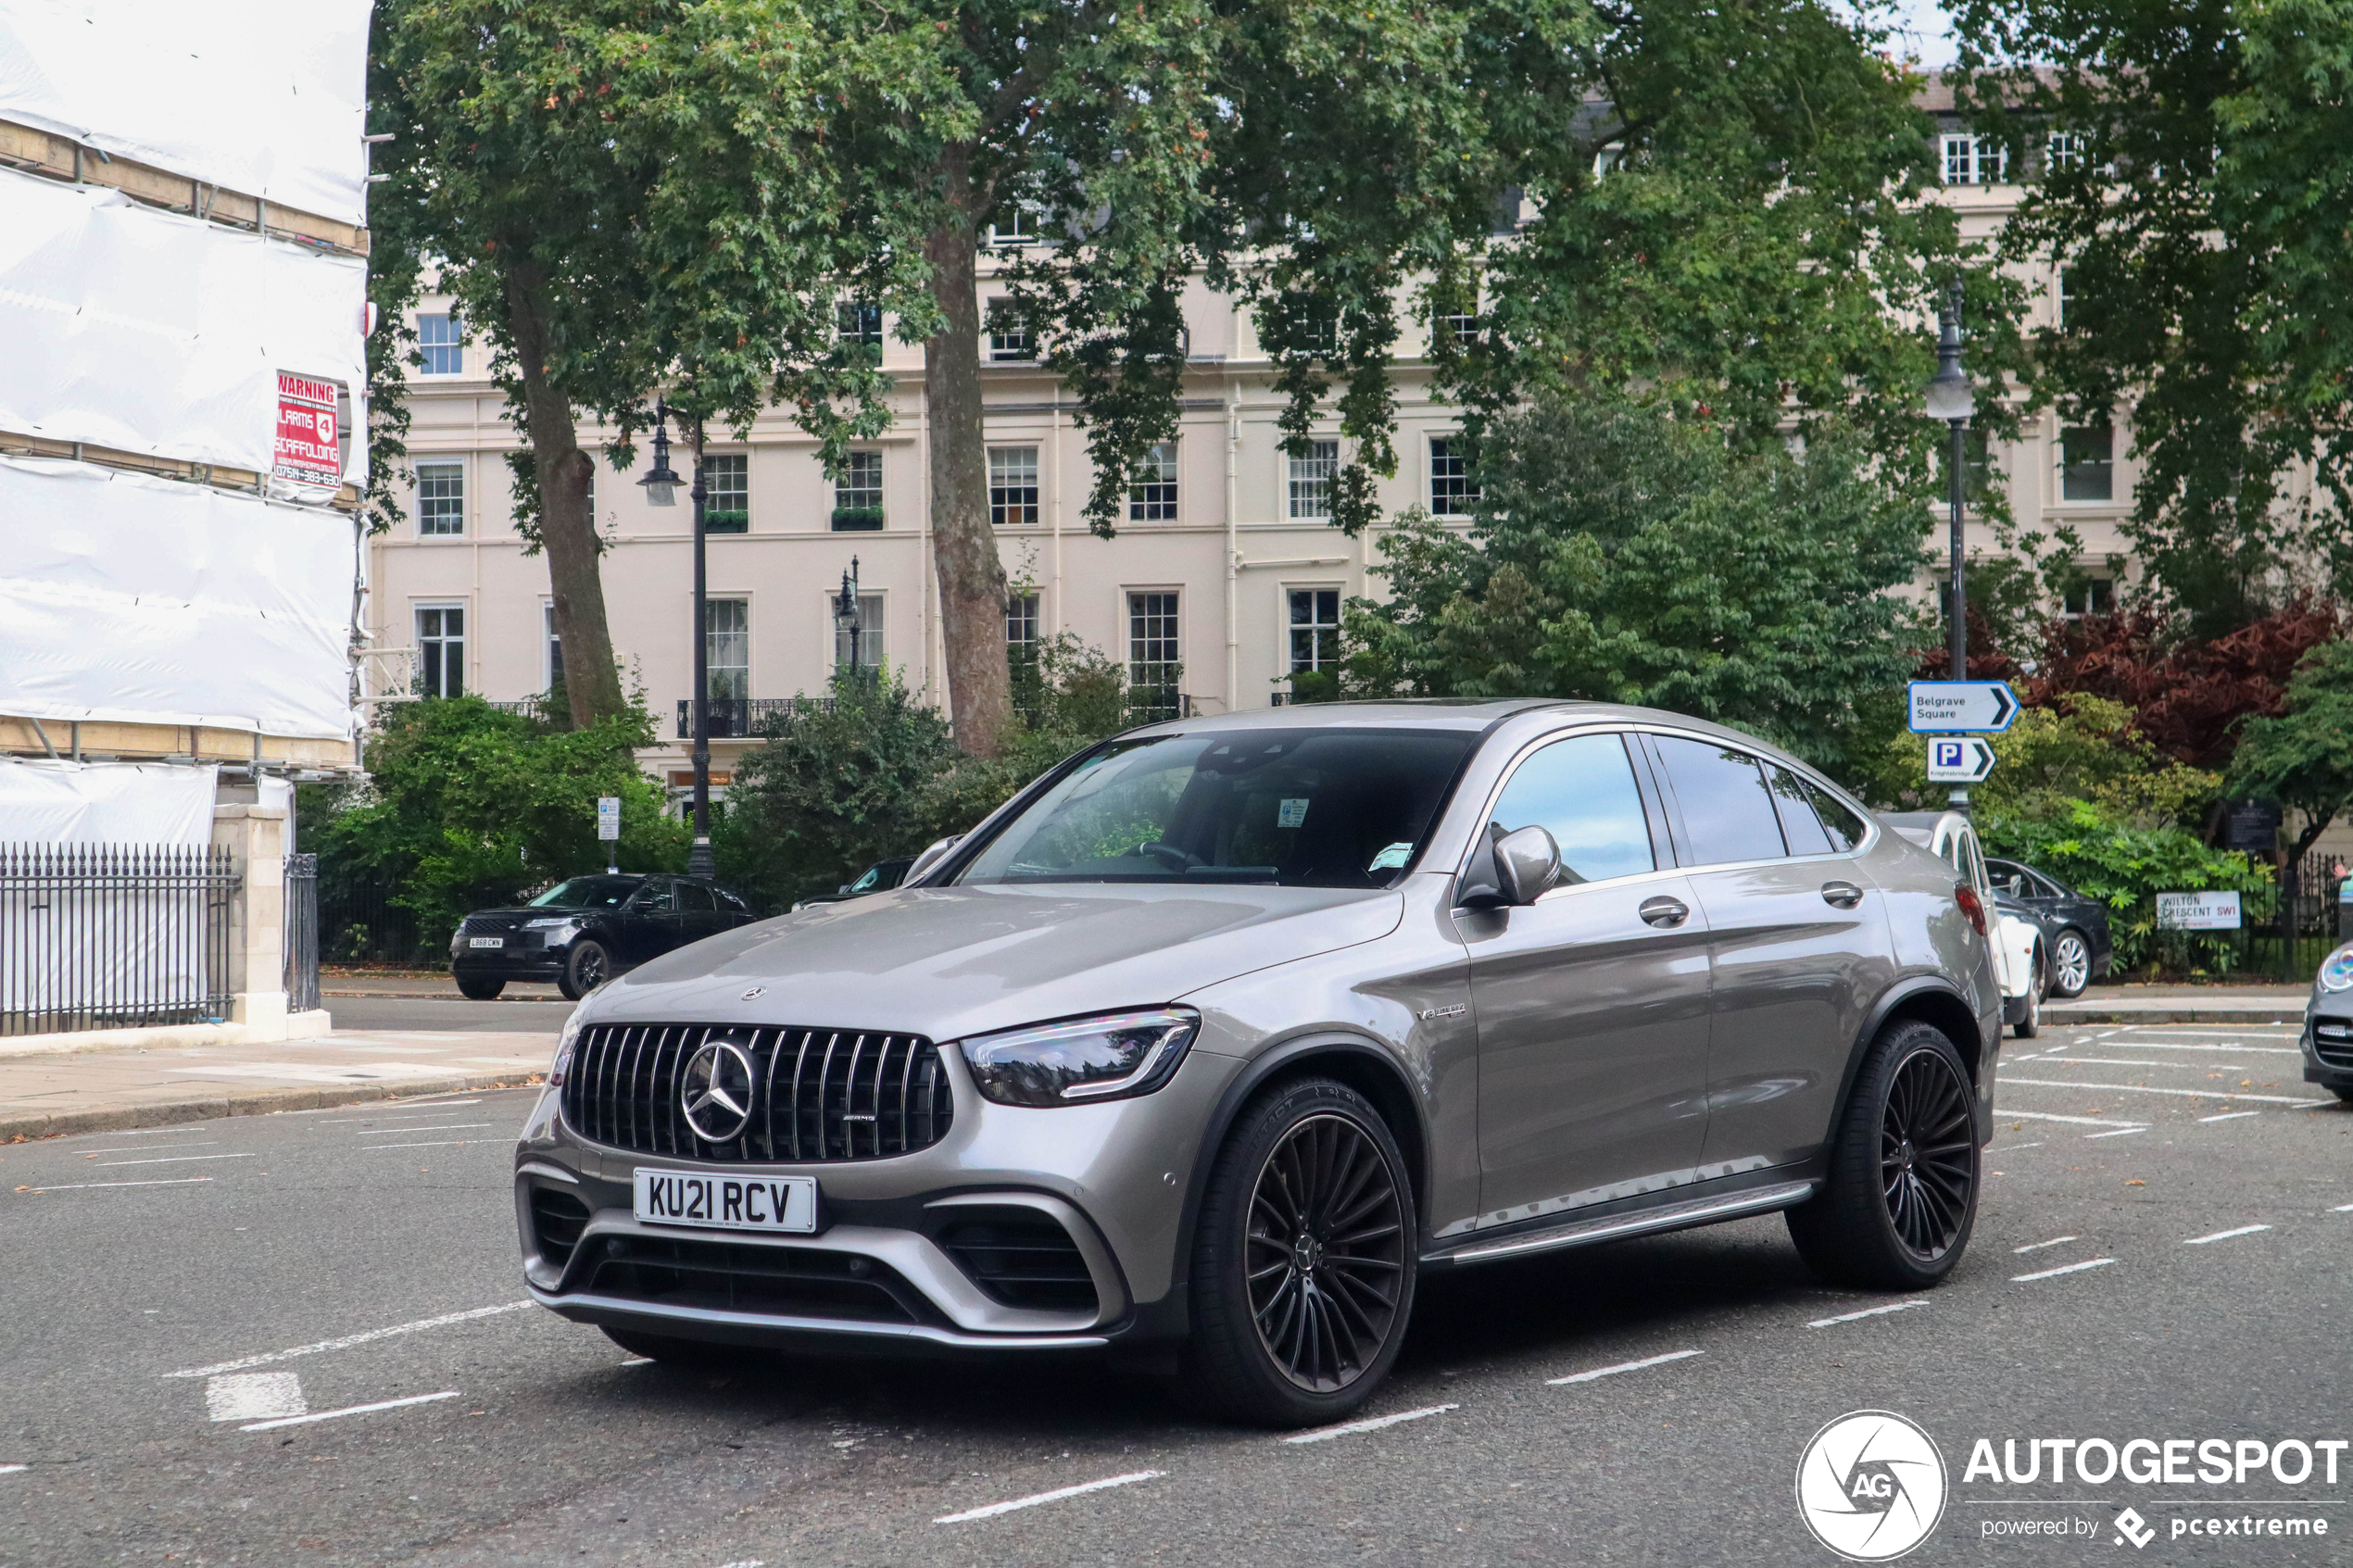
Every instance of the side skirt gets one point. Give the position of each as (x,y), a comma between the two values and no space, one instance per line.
(1643,1221)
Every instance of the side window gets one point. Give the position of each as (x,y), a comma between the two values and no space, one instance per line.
(1582,791)
(695,899)
(1815,821)
(658,898)
(1727,812)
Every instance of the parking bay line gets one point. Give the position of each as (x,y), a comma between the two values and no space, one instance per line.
(144,1148)
(2068,1269)
(159,1182)
(349,1340)
(2217,1051)
(438,1143)
(355,1409)
(991,1510)
(2120,1132)
(441,1127)
(1622,1366)
(1370,1423)
(2038,1245)
(12,1469)
(1866,1312)
(2047,1116)
(2144,1089)
(2224,1235)
(179,1160)
(2230,1115)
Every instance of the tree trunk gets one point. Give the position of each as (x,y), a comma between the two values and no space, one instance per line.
(972,577)
(567,531)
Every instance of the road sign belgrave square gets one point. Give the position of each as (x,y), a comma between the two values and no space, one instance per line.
(1960,707)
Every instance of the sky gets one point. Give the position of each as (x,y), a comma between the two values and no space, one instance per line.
(1923,25)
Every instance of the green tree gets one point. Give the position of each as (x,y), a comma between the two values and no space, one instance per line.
(1622,554)
(626,197)
(2197,206)
(2125,866)
(2304,757)
(468,805)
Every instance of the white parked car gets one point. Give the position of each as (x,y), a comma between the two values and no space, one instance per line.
(2019,959)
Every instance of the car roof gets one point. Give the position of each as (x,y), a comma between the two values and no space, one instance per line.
(1458,715)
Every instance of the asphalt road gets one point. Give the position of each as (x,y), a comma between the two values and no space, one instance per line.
(2113,1290)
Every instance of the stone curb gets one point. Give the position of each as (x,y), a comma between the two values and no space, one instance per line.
(253,1102)
(2245,1012)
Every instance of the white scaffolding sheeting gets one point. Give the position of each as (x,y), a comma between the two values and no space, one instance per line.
(45,802)
(151,601)
(150,332)
(263,97)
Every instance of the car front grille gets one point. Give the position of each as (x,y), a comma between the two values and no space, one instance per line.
(2333,1041)
(489,925)
(816,1094)
(798,1282)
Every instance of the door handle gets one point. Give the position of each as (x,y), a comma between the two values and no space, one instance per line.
(1665,911)
(1842,895)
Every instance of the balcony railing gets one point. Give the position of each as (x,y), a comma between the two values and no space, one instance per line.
(742,717)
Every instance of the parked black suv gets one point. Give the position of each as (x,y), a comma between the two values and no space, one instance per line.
(2075,925)
(586,929)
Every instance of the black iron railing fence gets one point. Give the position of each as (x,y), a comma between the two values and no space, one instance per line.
(2266,946)
(111,935)
(302,933)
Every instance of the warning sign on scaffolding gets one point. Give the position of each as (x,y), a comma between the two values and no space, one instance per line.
(307,455)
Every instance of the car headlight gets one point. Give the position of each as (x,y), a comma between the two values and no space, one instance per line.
(1110,1058)
(570,1038)
(550,923)
(2336,974)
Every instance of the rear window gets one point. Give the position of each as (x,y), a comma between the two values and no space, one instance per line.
(1725,810)
(1301,807)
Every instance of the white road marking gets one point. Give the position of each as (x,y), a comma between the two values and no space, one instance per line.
(641,1360)
(2070,1269)
(2038,1245)
(2009,1147)
(179,1160)
(254,1396)
(1622,1366)
(355,1409)
(2125,1061)
(1866,1312)
(747,1562)
(162,1182)
(349,1340)
(994,1509)
(436,1143)
(2224,1235)
(2047,1116)
(2120,1132)
(143,1148)
(1370,1423)
(439,1127)
(2144,1089)
(12,1469)
(2230,1115)
(2219,1051)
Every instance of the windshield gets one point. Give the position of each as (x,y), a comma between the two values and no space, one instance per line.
(1303,808)
(589,893)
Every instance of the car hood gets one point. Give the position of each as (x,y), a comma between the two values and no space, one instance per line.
(952,961)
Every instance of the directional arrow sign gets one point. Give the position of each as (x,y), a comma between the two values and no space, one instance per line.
(1953,707)
(1962,760)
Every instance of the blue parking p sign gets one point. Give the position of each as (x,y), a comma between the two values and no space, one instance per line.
(1958,759)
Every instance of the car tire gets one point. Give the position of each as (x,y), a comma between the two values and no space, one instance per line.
(1897,1206)
(697,1354)
(2070,964)
(2031,1024)
(1303,1261)
(2343,1092)
(586,967)
(478,990)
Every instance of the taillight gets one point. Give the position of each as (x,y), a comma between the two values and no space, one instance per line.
(1972,905)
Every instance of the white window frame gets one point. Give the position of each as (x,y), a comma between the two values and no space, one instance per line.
(442,466)
(1968,155)
(1469,489)
(1308,481)
(1154,498)
(711,602)
(418,610)
(874,621)
(1011,339)
(1325,633)
(454,345)
(1128,612)
(1005,471)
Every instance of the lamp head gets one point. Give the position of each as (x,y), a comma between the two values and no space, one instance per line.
(660,481)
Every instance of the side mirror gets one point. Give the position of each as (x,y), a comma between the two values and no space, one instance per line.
(928,859)
(1526,862)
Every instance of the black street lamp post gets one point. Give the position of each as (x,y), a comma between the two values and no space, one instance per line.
(1949,399)
(661,488)
(846,625)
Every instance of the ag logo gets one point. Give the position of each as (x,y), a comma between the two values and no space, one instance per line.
(1870,1485)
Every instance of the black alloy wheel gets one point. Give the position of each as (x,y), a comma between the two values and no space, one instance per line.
(1325,1253)
(587,968)
(1898,1201)
(1303,1261)
(1928,1154)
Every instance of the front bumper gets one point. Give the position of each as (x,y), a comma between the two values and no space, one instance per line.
(893,1265)
(2328,1046)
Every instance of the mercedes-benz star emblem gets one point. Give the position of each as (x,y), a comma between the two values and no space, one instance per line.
(715,1091)
(755,991)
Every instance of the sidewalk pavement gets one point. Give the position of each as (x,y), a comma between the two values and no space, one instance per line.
(111,1091)
(366,985)
(2182,1004)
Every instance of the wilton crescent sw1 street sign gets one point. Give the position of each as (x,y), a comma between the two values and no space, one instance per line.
(1960,760)
(1958,707)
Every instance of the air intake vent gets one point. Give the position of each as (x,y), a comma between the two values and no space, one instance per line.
(1021,1259)
(556,1218)
(815,1094)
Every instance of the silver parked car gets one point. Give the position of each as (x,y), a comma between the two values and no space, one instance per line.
(1211,1041)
